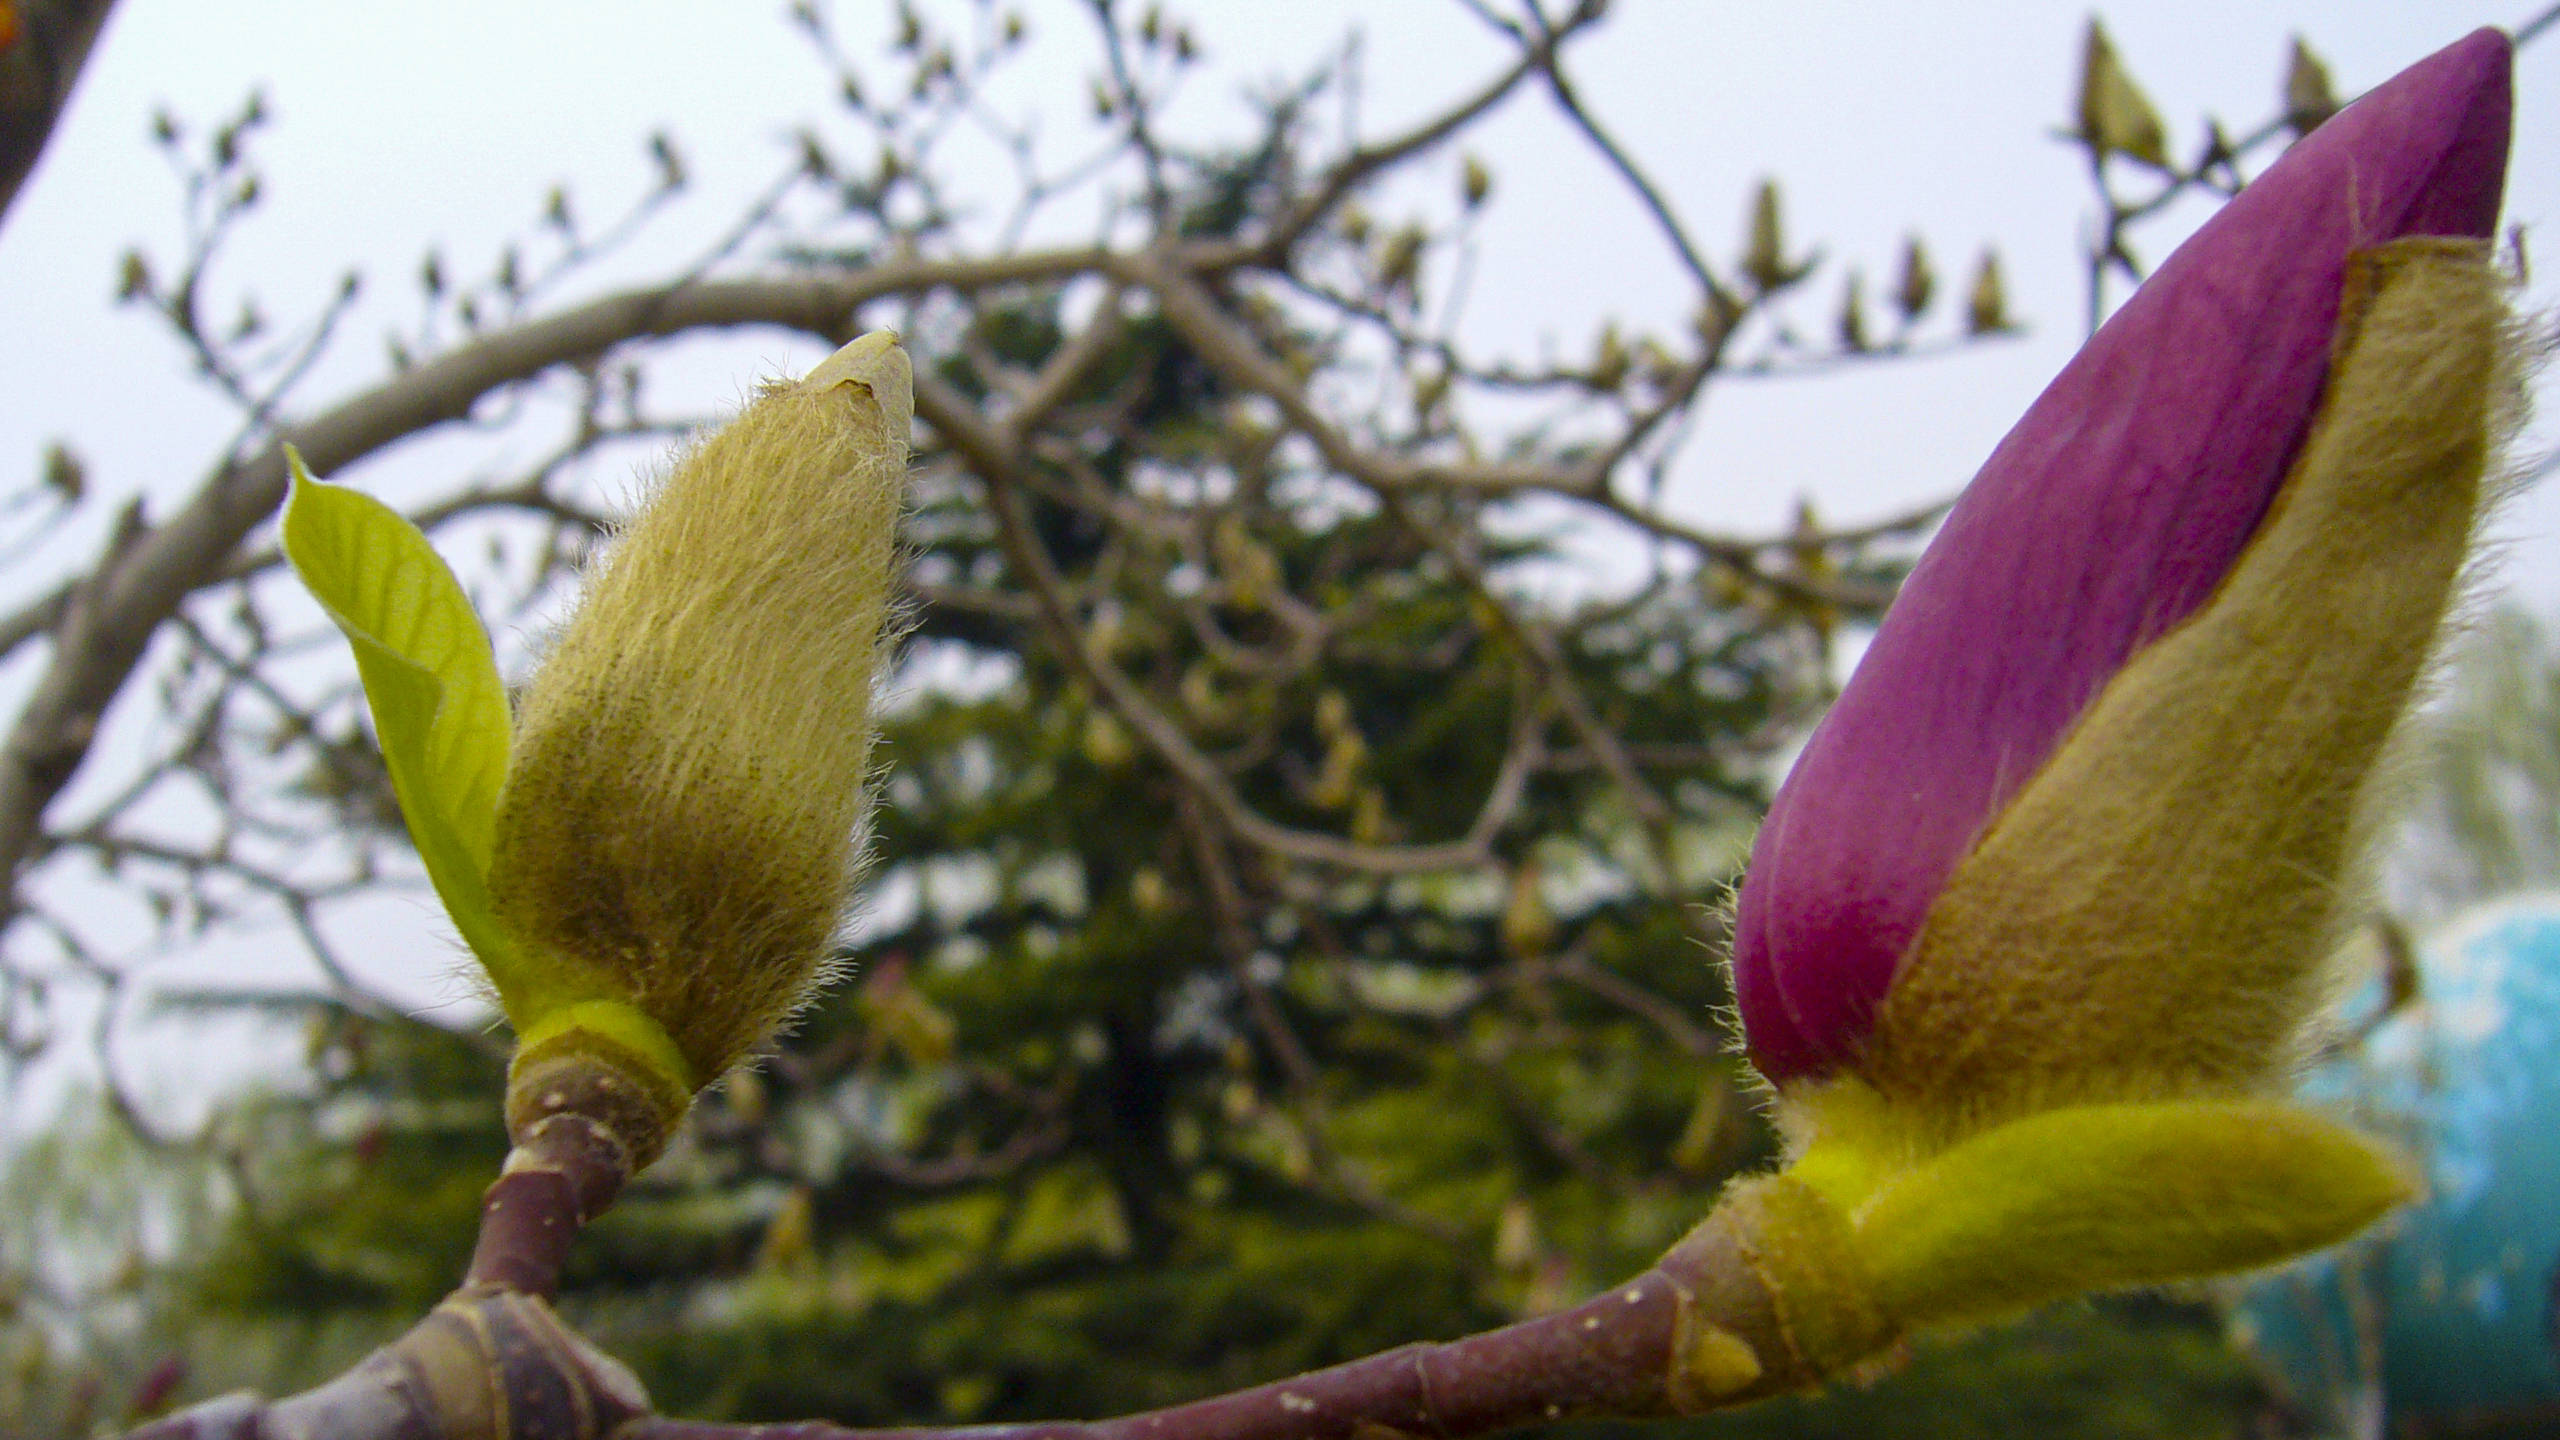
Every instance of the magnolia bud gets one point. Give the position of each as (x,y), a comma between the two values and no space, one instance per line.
(2309,99)
(1919,283)
(1986,309)
(1764,255)
(1853,315)
(2037,924)
(2114,113)
(690,774)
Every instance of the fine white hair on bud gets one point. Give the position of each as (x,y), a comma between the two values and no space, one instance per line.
(690,781)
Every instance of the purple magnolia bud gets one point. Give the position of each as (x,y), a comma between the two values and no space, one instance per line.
(2108,517)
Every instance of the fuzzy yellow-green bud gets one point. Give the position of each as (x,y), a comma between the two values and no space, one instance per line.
(690,772)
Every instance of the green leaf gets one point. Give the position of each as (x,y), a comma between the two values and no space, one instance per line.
(2103,1197)
(438,704)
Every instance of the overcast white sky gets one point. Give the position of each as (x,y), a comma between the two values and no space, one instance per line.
(399,127)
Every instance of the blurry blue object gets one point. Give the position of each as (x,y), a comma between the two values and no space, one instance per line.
(2445,1322)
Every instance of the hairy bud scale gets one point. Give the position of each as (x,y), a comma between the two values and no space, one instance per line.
(690,772)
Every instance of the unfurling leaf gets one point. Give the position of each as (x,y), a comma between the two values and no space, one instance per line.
(2109,1196)
(432,684)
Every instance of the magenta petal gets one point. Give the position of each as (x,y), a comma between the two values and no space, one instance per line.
(2104,519)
